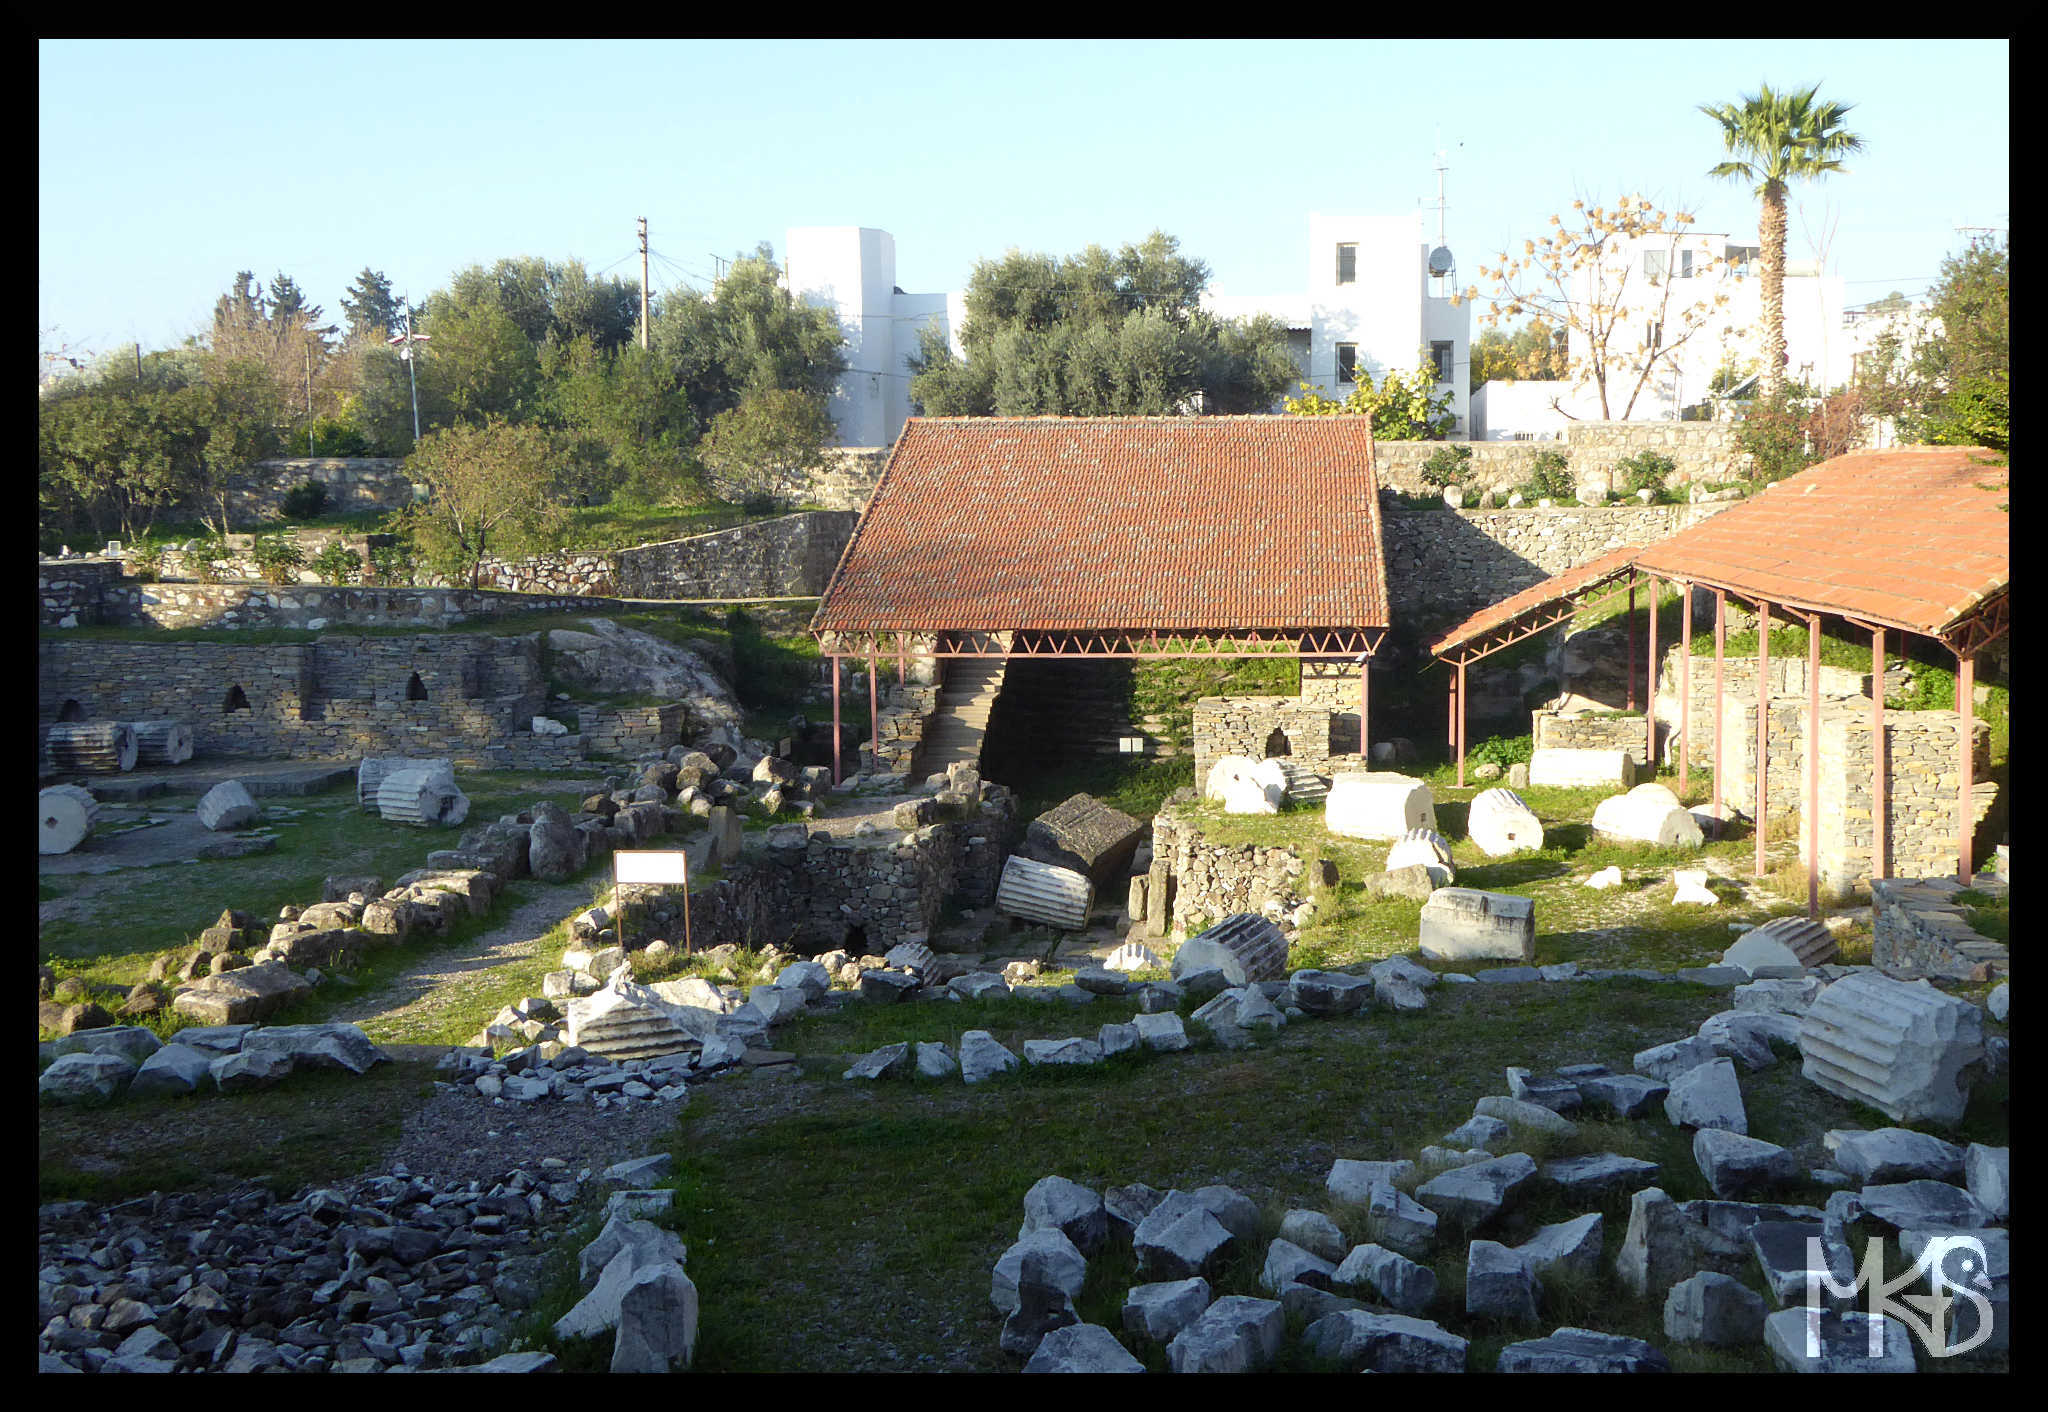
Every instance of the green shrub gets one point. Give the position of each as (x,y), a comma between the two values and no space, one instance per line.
(207,558)
(1501,750)
(278,558)
(338,564)
(1446,465)
(392,564)
(305,500)
(1773,433)
(1645,470)
(146,557)
(339,436)
(1550,476)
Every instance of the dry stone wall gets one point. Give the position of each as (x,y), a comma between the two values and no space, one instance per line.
(313,607)
(1549,730)
(791,556)
(1445,565)
(1246,725)
(1922,786)
(353,483)
(1205,881)
(1918,927)
(70,592)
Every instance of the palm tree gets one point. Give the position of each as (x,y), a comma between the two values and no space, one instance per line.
(1783,136)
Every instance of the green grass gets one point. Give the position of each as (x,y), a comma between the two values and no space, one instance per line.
(124,920)
(1136,784)
(806,1211)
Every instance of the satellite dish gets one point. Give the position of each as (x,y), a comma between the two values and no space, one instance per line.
(1441,261)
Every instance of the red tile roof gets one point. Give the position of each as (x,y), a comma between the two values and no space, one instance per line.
(1074,523)
(1551,590)
(1910,538)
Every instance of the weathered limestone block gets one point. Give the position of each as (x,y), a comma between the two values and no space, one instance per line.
(1378,804)
(1463,923)
(1038,892)
(243,996)
(370,774)
(1426,847)
(1500,823)
(228,805)
(1785,941)
(1563,768)
(1649,813)
(1903,1048)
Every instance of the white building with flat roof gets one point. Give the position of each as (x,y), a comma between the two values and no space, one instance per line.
(1370,303)
(852,271)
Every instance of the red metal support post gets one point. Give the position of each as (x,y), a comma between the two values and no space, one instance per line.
(1966,727)
(1880,806)
(1461,725)
(1451,713)
(1813,768)
(1630,622)
(1365,709)
(837,773)
(1763,723)
(1650,702)
(1685,690)
(874,715)
(1720,649)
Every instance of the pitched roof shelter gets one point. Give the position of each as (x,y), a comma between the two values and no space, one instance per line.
(1116,536)
(1913,539)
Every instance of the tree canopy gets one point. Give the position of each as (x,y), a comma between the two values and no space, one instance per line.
(1778,138)
(1099,334)
(1955,388)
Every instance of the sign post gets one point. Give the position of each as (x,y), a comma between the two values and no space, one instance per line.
(669,868)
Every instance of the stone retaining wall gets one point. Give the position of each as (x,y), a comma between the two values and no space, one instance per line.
(353,484)
(630,731)
(1922,784)
(1706,452)
(1205,881)
(905,715)
(1444,565)
(1919,930)
(791,556)
(313,607)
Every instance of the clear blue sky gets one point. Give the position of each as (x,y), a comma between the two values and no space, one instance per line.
(166,166)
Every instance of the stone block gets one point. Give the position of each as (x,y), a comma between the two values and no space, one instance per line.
(1707,1096)
(1085,835)
(1462,923)
(1359,1340)
(1782,942)
(1714,1309)
(1560,767)
(1648,814)
(1246,786)
(1501,824)
(1582,1351)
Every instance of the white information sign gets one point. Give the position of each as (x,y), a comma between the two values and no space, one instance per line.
(646,869)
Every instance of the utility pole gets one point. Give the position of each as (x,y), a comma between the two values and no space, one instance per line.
(643,284)
(407,342)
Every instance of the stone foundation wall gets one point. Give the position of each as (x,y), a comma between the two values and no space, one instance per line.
(630,731)
(1921,789)
(906,713)
(1738,678)
(1445,565)
(330,700)
(1919,930)
(1549,730)
(1207,881)
(1245,725)
(847,479)
(70,592)
(809,899)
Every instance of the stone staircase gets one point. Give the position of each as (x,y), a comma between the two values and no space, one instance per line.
(956,730)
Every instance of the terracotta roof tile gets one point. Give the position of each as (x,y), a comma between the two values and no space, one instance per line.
(1911,538)
(1075,523)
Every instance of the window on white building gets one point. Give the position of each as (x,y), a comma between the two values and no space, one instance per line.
(1347,264)
(1653,263)
(1685,264)
(1657,334)
(1440,354)
(1347,362)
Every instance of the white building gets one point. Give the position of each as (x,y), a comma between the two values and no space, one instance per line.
(852,270)
(1370,303)
(1663,285)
